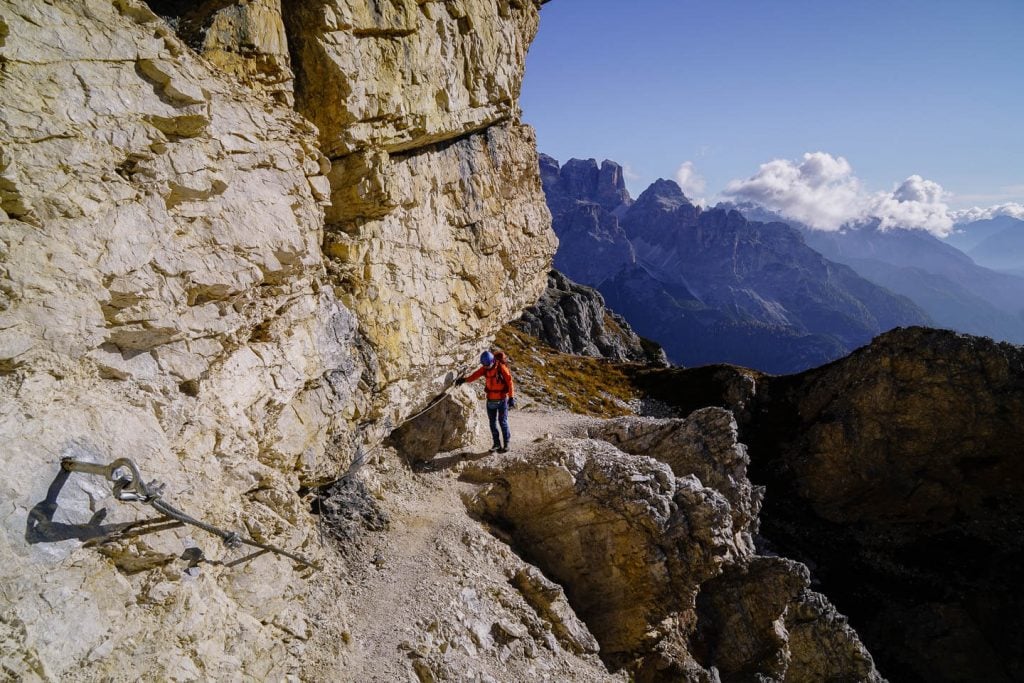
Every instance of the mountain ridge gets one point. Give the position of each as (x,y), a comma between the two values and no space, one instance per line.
(697,280)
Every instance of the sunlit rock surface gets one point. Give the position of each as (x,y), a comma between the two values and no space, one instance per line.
(165,296)
(658,559)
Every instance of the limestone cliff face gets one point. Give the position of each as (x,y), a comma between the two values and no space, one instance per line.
(234,294)
(244,39)
(438,70)
(416,107)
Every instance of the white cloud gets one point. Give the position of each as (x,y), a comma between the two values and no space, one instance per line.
(691,182)
(822,192)
(977,213)
(916,204)
(629,174)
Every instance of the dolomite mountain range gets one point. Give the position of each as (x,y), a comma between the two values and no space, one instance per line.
(711,285)
(741,284)
(249,245)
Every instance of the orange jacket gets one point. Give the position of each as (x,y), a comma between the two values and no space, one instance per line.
(497,381)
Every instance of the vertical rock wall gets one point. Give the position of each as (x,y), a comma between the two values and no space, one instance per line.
(165,296)
(437,229)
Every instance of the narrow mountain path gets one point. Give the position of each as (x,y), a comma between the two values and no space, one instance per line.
(424,596)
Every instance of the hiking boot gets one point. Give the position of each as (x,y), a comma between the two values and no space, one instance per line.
(503,449)
(495,448)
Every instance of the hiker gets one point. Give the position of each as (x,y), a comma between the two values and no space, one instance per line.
(501,394)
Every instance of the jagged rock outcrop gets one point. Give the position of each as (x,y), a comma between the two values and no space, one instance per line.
(725,386)
(195,276)
(246,40)
(705,444)
(582,180)
(549,600)
(660,564)
(895,472)
(573,319)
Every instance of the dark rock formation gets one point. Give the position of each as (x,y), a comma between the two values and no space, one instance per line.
(897,471)
(896,474)
(658,559)
(573,319)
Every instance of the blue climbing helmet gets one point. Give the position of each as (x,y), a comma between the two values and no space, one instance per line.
(486,358)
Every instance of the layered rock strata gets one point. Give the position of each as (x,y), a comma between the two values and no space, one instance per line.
(405,74)
(165,296)
(572,318)
(658,560)
(437,233)
(244,39)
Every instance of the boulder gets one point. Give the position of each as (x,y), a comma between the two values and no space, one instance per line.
(452,423)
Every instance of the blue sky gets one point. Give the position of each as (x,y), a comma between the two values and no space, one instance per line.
(898,89)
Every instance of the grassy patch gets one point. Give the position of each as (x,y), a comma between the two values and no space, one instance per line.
(589,386)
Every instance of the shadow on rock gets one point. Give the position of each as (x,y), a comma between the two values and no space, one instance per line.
(41,527)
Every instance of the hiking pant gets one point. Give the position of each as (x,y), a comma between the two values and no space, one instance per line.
(497,413)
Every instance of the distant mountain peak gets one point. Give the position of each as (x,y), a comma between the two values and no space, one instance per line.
(712,286)
(666,194)
(584,180)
